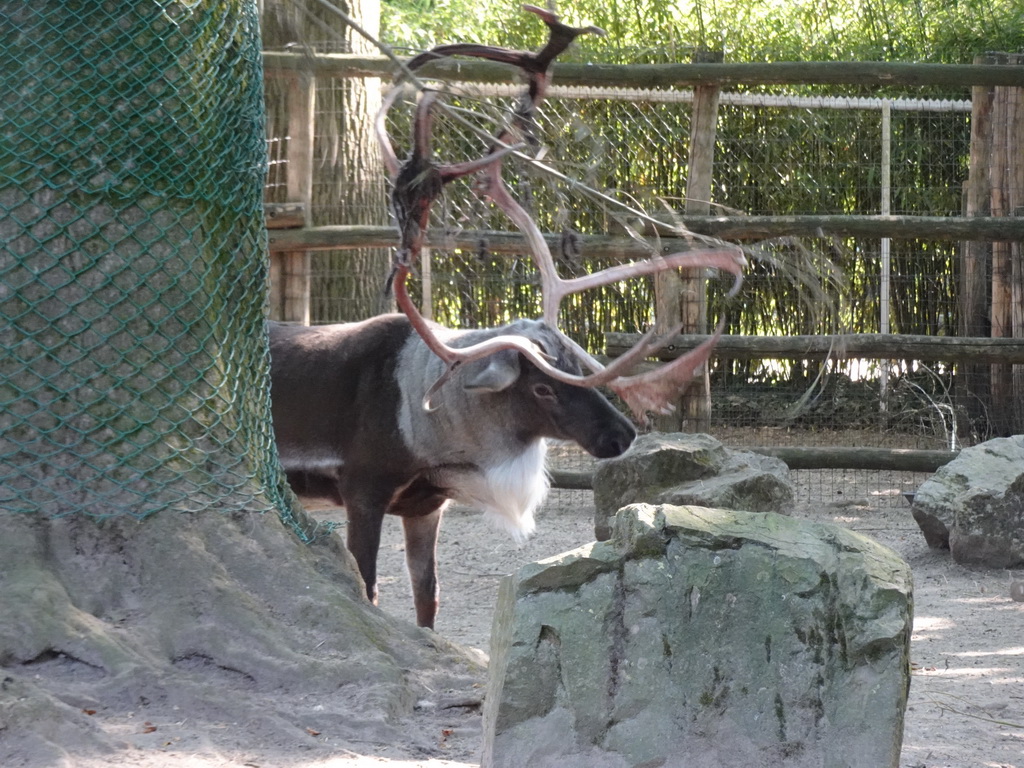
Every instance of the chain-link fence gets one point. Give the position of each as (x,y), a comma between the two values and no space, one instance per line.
(777,155)
(133,377)
(779,150)
(800,155)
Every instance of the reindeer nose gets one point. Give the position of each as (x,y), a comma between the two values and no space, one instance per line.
(625,439)
(616,441)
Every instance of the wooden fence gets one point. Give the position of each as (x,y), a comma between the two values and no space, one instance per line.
(991,229)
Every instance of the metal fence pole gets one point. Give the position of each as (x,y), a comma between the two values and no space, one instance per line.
(886,270)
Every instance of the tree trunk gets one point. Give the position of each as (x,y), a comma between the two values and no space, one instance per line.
(348,185)
(357,182)
(137,575)
(972,381)
(992,280)
(133,273)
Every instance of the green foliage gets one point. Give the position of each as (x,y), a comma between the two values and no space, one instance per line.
(788,30)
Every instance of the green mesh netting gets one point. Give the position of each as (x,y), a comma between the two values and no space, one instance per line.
(132,269)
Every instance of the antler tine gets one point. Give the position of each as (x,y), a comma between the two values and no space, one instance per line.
(419,181)
(554,288)
(643,391)
(560,36)
(601,375)
(729,259)
(417,184)
(493,187)
(381,129)
(535,66)
(655,390)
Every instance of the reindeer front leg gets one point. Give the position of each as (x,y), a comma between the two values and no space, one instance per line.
(421,559)
(365,513)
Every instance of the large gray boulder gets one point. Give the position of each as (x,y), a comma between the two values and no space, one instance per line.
(679,468)
(974,505)
(702,638)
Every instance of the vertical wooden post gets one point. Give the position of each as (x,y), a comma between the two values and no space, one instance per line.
(290,270)
(992,277)
(696,405)
(1015,207)
(426,284)
(681,295)
(1007,182)
(668,288)
(972,380)
(1000,311)
(885,208)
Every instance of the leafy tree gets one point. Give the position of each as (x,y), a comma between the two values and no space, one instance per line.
(747,30)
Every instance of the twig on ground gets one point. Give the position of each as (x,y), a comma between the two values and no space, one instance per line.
(953,710)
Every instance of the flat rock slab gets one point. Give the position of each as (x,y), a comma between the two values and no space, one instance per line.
(679,468)
(700,638)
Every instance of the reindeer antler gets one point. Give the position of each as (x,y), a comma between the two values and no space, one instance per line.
(418,182)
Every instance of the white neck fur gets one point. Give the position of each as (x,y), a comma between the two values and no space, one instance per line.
(509,492)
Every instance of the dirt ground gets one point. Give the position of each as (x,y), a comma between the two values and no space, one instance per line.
(966,706)
(966,703)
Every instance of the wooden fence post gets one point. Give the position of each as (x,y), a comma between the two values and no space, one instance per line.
(680,295)
(1007,275)
(992,276)
(290,270)
(695,409)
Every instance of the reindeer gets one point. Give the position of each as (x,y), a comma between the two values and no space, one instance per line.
(397,415)
(350,426)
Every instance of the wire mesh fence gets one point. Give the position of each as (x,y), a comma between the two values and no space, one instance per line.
(777,153)
(825,158)
(131,268)
(780,150)
(130,223)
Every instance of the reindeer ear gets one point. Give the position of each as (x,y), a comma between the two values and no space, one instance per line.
(494,373)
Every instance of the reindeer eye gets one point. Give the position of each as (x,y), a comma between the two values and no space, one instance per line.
(544,392)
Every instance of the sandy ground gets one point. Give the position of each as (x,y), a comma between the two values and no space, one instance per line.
(966,705)
(967,696)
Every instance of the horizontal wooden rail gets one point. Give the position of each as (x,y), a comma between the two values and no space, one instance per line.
(987,228)
(809,457)
(671,75)
(827,457)
(867,346)
(571,480)
(284,215)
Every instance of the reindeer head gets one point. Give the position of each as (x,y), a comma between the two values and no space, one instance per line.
(419,180)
